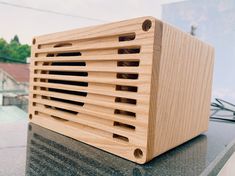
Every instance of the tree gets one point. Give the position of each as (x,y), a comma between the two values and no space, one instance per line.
(14,51)
(4,50)
(2,43)
(15,39)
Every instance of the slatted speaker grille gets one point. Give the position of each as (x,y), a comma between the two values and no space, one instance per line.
(100,84)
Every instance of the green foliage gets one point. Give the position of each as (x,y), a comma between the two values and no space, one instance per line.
(13,51)
(15,39)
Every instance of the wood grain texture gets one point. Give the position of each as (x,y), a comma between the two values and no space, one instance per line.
(135,88)
(184,89)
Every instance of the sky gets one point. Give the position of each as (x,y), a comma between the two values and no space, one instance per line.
(216,22)
(215,25)
(28,23)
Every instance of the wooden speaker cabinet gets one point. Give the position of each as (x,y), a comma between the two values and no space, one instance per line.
(134,88)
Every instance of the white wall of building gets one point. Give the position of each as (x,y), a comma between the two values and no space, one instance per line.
(7,82)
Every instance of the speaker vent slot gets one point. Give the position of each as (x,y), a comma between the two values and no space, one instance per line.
(69,63)
(68,73)
(126,113)
(128,63)
(74,83)
(70,54)
(50,55)
(67,54)
(126,88)
(59,45)
(84,94)
(58,118)
(120,138)
(127,76)
(128,50)
(125,100)
(123,125)
(128,37)
(64,110)
(67,101)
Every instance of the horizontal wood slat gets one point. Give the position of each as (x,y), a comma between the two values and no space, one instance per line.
(134,95)
(90,58)
(136,70)
(118,118)
(107,128)
(96,46)
(127,82)
(87,33)
(122,106)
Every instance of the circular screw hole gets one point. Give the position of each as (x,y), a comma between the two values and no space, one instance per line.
(34,41)
(30,116)
(138,153)
(147,24)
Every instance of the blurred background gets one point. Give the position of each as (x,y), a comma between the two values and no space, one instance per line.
(212,21)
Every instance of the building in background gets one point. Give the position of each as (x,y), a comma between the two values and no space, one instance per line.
(14,76)
(14,84)
(214,22)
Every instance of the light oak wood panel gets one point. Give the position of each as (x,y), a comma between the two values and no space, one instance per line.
(184,89)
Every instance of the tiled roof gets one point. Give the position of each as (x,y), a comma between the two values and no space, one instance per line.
(20,72)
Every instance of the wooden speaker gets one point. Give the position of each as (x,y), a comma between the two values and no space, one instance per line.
(134,88)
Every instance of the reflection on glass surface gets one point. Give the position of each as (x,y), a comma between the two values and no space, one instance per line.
(49,153)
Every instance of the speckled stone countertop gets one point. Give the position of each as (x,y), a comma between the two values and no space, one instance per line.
(49,153)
